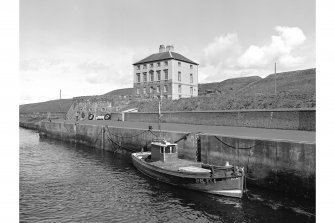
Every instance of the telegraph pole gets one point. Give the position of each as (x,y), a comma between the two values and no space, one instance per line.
(60,98)
(275,80)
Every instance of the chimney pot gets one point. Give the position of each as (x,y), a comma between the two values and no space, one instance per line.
(170,48)
(161,48)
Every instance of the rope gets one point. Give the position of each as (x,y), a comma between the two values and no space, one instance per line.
(153,133)
(97,137)
(126,136)
(119,146)
(233,147)
(183,138)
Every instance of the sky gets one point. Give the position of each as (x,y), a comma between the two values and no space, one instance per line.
(87,47)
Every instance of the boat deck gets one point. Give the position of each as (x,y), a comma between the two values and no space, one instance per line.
(175,164)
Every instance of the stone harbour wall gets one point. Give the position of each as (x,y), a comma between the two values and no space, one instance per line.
(293,119)
(280,166)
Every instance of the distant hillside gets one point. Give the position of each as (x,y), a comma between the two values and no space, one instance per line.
(227,86)
(123,91)
(295,89)
(297,82)
(62,105)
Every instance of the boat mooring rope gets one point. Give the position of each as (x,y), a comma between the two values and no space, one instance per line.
(233,147)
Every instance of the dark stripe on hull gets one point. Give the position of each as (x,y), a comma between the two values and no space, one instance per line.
(232,187)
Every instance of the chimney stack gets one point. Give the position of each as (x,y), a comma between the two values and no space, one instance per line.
(161,48)
(170,48)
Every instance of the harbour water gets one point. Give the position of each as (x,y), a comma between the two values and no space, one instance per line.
(62,182)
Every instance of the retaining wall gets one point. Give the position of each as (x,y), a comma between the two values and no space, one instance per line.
(282,166)
(293,119)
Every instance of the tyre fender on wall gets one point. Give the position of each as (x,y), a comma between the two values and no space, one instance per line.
(107,117)
(90,117)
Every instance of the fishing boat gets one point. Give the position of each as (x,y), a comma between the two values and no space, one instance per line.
(163,164)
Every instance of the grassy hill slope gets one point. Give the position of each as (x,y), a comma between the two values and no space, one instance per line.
(297,82)
(62,105)
(123,91)
(295,89)
(227,86)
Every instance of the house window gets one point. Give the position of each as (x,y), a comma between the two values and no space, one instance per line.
(138,77)
(144,90)
(158,64)
(158,89)
(191,90)
(165,63)
(158,75)
(144,66)
(145,77)
(152,76)
(162,149)
(191,78)
(191,66)
(151,89)
(179,76)
(179,64)
(137,91)
(138,67)
(166,74)
(165,88)
(179,88)
(151,65)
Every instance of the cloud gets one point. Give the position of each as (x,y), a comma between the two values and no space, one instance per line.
(223,58)
(280,49)
(222,51)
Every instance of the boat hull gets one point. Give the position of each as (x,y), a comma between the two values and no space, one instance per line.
(229,186)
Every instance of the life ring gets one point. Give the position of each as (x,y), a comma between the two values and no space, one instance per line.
(107,117)
(90,117)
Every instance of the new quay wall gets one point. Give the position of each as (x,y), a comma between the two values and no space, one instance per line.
(289,119)
(277,165)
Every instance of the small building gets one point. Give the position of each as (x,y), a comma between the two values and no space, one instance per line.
(166,74)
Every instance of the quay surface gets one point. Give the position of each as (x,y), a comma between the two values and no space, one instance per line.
(229,131)
(281,160)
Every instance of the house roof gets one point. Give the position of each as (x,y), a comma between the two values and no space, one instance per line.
(164,56)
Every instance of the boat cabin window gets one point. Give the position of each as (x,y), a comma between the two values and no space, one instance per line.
(167,149)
